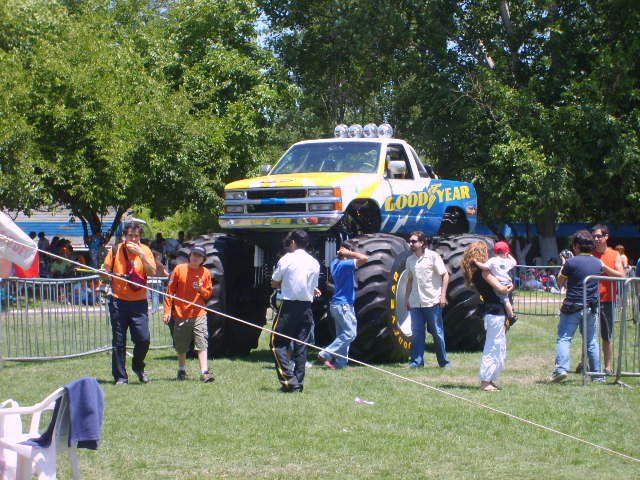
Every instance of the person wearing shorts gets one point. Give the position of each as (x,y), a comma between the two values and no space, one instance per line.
(607,291)
(190,286)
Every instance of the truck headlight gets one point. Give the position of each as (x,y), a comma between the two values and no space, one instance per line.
(233,209)
(235,195)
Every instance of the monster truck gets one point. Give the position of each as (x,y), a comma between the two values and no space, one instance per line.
(370,188)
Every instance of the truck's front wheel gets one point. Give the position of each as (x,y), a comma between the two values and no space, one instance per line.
(380,338)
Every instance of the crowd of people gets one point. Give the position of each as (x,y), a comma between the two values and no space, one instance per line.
(296,277)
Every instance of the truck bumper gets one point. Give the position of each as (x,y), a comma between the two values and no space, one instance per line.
(306,221)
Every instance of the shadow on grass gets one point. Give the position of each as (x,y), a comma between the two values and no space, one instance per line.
(458,386)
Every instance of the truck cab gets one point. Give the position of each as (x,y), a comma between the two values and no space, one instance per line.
(355,184)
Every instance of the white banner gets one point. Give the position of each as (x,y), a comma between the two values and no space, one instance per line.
(21,253)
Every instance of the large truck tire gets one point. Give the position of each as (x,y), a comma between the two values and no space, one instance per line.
(463,323)
(229,259)
(379,338)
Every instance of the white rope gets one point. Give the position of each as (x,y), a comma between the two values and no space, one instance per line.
(353,360)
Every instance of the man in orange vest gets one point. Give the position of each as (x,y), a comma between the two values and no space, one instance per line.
(128,309)
(611,258)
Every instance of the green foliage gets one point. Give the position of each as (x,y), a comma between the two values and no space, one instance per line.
(119,104)
(537,102)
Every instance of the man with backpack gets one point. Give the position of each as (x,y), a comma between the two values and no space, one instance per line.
(128,307)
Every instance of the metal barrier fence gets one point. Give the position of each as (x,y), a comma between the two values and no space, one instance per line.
(625,340)
(43,319)
(627,360)
(537,291)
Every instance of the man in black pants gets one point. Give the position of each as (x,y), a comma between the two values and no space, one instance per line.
(296,275)
(128,308)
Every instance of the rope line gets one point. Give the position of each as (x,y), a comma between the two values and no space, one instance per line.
(353,360)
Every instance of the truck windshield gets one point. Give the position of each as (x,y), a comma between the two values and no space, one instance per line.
(358,157)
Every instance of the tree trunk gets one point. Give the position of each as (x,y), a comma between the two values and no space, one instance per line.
(547,239)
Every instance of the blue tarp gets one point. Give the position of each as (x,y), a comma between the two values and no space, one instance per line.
(562,230)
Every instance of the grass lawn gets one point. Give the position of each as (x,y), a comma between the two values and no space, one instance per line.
(240,426)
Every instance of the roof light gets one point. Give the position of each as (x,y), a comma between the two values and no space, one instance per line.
(370,130)
(355,131)
(385,130)
(341,131)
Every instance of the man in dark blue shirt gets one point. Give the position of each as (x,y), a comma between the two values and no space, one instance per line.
(573,272)
(343,270)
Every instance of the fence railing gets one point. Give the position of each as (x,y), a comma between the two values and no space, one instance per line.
(537,291)
(625,341)
(627,356)
(42,318)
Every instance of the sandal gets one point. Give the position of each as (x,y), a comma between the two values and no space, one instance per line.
(488,387)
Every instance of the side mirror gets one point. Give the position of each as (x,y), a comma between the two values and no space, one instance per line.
(265,169)
(397,168)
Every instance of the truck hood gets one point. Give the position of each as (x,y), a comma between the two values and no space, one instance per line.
(303,180)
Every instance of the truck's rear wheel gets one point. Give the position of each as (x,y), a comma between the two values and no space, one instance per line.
(230,261)
(380,338)
(463,324)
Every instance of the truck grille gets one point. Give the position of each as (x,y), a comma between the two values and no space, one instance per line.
(282,208)
(276,193)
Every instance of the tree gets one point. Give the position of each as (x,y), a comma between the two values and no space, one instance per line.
(119,104)
(535,102)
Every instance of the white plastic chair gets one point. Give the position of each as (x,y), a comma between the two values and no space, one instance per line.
(35,459)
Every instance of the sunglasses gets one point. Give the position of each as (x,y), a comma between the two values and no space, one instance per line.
(414,241)
(598,236)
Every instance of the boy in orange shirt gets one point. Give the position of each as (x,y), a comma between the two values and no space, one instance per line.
(191,282)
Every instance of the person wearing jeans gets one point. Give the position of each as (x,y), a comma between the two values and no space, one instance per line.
(426,296)
(343,270)
(573,272)
(569,323)
(431,317)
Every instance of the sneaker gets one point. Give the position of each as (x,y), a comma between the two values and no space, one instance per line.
(122,381)
(207,377)
(329,365)
(446,365)
(557,377)
(182,375)
(142,376)
(324,357)
(415,365)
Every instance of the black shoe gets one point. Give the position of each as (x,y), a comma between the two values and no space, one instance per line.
(182,375)
(284,389)
(142,376)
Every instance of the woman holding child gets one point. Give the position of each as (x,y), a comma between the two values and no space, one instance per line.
(494,353)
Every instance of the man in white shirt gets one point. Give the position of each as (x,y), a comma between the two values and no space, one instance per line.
(296,275)
(426,297)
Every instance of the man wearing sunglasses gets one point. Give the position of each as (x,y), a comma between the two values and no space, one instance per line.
(611,258)
(426,297)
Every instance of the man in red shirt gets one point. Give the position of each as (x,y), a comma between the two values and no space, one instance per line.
(191,282)
(611,258)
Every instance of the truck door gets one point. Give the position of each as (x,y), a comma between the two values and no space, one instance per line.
(404,209)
